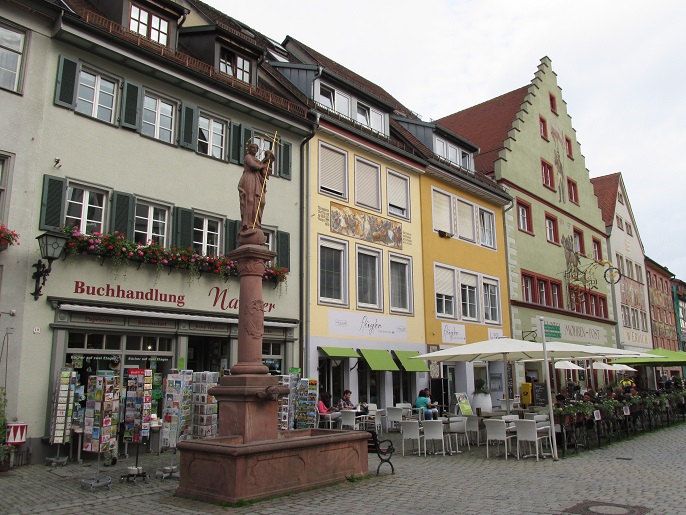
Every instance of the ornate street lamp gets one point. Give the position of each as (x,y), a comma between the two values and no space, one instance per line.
(51,245)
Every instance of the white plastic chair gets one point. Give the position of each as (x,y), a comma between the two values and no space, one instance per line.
(394,416)
(407,409)
(329,419)
(473,427)
(496,431)
(372,420)
(527,432)
(349,419)
(410,431)
(433,431)
(457,427)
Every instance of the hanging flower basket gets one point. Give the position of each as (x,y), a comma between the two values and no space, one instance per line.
(7,238)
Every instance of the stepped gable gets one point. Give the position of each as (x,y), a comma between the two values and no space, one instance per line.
(606,188)
(487,125)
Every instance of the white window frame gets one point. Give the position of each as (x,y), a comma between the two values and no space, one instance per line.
(451,221)
(362,250)
(6,174)
(330,96)
(393,209)
(212,123)
(482,235)
(157,127)
(150,222)
(528,284)
(83,218)
(407,262)
(461,232)
(20,53)
(98,92)
(265,142)
(364,193)
(366,112)
(465,300)
(486,283)
(444,296)
(202,244)
(342,247)
(325,189)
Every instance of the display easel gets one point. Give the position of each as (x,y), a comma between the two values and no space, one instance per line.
(101,422)
(137,409)
(63,406)
(178,396)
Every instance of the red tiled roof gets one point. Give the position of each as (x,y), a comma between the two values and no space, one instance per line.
(606,188)
(341,71)
(487,125)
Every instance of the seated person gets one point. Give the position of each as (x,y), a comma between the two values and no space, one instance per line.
(424,401)
(345,403)
(560,400)
(325,409)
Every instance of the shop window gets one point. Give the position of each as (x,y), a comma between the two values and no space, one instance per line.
(272,357)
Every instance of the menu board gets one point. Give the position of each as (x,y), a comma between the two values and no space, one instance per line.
(463,403)
(510,380)
(540,394)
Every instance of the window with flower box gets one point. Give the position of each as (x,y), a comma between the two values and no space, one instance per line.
(150,224)
(206,235)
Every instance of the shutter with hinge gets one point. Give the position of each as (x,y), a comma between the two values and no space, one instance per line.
(189,127)
(183,227)
(130,106)
(232,229)
(283,249)
(65,89)
(235,150)
(52,203)
(285,160)
(246,138)
(122,219)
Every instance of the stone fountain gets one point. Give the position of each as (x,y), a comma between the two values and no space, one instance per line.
(250,458)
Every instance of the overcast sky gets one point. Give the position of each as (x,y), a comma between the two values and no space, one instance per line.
(621,66)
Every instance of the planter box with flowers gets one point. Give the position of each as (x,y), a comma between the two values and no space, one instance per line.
(122,251)
(7,237)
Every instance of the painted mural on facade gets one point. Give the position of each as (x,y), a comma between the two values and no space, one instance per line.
(357,224)
(560,150)
(632,294)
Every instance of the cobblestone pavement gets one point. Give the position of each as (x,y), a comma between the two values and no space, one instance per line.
(645,474)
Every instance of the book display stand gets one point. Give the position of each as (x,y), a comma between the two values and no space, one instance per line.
(137,415)
(62,411)
(178,397)
(101,421)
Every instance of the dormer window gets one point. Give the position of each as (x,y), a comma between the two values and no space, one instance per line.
(453,153)
(327,96)
(149,25)
(235,65)
(363,114)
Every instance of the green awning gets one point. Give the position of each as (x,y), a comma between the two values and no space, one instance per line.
(669,358)
(340,352)
(378,359)
(411,365)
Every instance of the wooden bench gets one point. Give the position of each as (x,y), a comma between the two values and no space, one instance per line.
(383,448)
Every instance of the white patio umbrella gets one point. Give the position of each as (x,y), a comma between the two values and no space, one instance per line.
(622,368)
(567,365)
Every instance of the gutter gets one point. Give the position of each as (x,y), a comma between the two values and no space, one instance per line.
(305,245)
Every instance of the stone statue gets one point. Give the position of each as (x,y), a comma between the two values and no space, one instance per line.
(251,189)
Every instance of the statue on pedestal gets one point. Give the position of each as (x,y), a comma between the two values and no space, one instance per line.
(252,187)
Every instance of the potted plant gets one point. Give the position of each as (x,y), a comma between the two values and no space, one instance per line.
(481,396)
(5,448)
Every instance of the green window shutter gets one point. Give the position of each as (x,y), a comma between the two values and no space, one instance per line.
(246,137)
(283,249)
(52,203)
(130,106)
(123,214)
(285,160)
(231,241)
(235,150)
(189,127)
(65,89)
(183,227)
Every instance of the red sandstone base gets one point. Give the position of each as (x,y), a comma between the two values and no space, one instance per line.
(227,470)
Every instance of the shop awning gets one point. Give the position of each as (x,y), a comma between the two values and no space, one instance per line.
(411,365)
(83,308)
(378,359)
(340,352)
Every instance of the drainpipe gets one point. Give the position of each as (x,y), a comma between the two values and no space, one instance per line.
(305,246)
(509,309)
(618,309)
